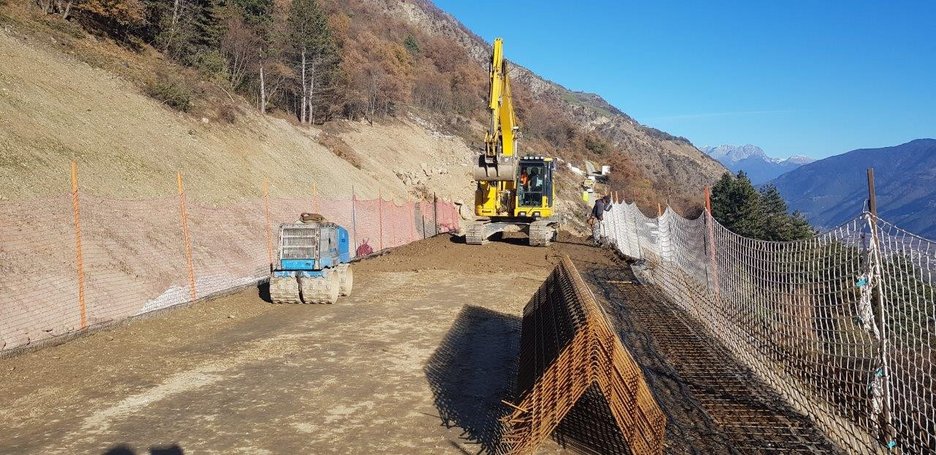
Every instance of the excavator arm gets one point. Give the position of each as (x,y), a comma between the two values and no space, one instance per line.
(500,137)
(500,141)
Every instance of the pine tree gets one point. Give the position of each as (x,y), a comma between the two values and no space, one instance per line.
(738,206)
(776,224)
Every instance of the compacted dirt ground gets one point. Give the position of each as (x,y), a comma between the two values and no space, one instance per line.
(431,329)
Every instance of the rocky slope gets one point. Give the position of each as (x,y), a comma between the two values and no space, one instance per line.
(673,165)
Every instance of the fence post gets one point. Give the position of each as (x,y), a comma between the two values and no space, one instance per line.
(79,257)
(412,222)
(710,222)
(876,276)
(380,217)
(266,214)
(423,218)
(354,219)
(186,238)
(435,214)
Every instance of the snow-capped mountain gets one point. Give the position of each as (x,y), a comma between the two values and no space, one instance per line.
(754,162)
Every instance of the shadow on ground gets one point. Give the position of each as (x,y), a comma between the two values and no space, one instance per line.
(473,369)
(263,290)
(124,449)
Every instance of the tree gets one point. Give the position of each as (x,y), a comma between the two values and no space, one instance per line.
(764,215)
(314,49)
(736,204)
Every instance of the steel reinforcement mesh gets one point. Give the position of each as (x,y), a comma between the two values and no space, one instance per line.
(576,380)
(841,325)
(78,261)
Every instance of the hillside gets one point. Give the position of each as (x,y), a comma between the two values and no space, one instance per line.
(663,165)
(833,190)
(56,109)
(405,70)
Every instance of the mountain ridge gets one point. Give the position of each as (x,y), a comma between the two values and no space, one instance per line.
(833,190)
(751,159)
(663,157)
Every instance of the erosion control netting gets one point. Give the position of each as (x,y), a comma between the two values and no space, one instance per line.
(841,325)
(78,261)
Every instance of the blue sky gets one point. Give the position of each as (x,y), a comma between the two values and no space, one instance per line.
(813,78)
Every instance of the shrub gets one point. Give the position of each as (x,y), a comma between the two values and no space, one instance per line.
(172,93)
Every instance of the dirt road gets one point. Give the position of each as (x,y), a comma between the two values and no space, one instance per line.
(431,326)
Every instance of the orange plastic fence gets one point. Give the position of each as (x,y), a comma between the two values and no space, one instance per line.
(63,269)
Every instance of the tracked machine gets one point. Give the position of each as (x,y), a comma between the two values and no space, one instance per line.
(312,262)
(513,192)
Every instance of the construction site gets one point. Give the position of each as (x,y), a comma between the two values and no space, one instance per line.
(263,287)
(416,361)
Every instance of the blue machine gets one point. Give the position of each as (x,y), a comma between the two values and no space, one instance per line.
(312,262)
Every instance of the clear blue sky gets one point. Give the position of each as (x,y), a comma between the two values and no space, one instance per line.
(813,78)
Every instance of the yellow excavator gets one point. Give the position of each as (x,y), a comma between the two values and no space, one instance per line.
(514,192)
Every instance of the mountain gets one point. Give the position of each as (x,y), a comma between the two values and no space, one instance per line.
(833,190)
(751,159)
(669,165)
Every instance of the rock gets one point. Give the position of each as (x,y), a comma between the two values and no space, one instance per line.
(204,119)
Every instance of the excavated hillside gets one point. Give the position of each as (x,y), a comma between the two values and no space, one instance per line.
(673,165)
(56,109)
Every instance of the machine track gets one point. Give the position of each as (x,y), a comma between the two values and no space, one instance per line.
(284,290)
(345,279)
(541,233)
(475,233)
(319,290)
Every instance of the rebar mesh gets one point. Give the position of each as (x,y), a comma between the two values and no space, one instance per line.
(576,376)
(841,324)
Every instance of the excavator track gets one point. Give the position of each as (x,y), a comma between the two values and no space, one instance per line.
(475,234)
(541,233)
(320,290)
(345,279)
(284,290)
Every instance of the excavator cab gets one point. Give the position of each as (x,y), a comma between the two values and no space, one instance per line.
(535,188)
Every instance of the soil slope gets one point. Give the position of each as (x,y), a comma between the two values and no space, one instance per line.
(55,109)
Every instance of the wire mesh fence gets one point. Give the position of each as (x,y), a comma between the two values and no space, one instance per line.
(842,325)
(77,261)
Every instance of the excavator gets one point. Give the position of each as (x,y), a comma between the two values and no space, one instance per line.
(513,192)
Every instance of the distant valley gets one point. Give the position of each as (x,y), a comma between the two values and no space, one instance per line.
(833,190)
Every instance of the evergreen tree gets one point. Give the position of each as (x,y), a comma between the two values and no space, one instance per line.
(764,215)
(775,221)
(739,207)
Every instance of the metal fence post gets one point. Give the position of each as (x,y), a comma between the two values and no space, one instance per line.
(435,214)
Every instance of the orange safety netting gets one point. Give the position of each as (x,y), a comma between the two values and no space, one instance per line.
(76,261)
